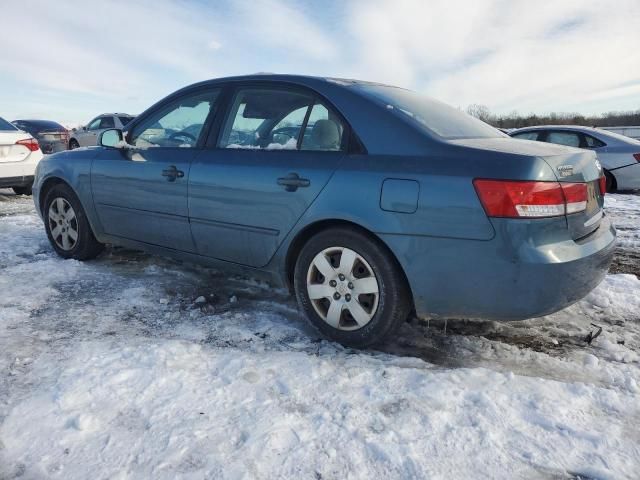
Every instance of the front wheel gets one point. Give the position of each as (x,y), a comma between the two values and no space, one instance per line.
(67,226)
(73,144)
(350,287)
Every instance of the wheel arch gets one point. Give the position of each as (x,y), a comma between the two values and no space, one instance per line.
(47,185)
(302,236)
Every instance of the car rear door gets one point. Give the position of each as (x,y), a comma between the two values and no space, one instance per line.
(276,150)
(140,193)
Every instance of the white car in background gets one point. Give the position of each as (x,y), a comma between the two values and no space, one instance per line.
(88,135)
(619,155)
(19,156)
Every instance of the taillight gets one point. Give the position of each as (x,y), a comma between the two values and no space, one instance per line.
(637,157)
(602,181)
(530,199)
(30,143)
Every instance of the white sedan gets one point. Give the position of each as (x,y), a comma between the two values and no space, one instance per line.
(619,155)
(19,156)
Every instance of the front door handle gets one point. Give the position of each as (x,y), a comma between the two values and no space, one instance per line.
(172,173)
(292,182)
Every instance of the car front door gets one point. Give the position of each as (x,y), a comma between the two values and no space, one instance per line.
(88,136)
(140,192)
(276,150)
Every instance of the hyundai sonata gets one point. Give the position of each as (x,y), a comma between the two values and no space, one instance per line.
(370,202)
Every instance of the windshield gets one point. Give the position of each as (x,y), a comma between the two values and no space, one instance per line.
(431,115)
(6,126)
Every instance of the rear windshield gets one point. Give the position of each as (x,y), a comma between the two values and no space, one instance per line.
(4,125)
(618,136)
(34,127)
(431,115)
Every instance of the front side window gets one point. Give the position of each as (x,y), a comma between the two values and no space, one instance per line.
(95,124)
(125,120)
(178,124)
(526,136)
(274,119)
(570,139)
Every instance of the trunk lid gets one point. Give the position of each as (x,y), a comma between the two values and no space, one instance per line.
(572,165)
(580,166)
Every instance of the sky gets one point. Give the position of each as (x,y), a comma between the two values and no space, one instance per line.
(69,61)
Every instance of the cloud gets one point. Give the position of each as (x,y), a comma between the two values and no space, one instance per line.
(72,57)
(505,54)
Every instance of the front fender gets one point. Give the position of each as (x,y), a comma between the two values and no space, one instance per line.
(72,167)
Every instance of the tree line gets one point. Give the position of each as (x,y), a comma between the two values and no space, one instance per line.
(516,120)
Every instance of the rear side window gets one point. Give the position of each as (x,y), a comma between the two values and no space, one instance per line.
(178,124)
(526,136)
(277,119)
(107,122)
(570,139)
(593,142)
(6,126)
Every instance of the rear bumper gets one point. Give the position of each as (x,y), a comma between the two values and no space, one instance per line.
(22,181)
(52,147)
(529,269)
(628,178)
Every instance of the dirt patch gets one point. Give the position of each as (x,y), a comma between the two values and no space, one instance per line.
(626,261)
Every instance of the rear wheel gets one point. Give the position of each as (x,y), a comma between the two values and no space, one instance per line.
(67,226)
(73,144)
(611,181)
(23,190)
(350,287)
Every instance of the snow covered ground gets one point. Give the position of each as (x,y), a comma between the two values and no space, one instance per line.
(110,369)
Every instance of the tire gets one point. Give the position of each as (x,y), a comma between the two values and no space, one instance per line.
(23,190)
(63,215)
(73,144)
(338,298)
(611,181)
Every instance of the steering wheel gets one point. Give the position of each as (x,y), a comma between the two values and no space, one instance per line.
(174,136)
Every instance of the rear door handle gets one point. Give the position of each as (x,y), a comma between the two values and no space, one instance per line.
(172,173)
(292,182)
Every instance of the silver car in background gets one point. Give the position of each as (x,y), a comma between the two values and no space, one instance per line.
(619,155)
(88,135)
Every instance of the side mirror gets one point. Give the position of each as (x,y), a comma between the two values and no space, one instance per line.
(110,138)
(84,128)
(74,129)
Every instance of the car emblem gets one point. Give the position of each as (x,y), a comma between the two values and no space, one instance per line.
(598,164)
(565,170)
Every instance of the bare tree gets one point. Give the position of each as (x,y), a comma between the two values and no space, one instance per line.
(480,111)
